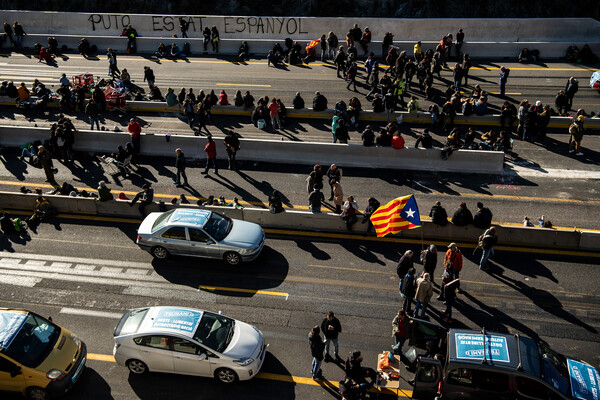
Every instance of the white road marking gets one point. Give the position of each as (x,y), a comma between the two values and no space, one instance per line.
(540,172)
(45,257)
(25,281)
(90,313)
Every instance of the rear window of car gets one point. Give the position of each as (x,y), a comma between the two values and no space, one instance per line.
(161,220)
(131,322)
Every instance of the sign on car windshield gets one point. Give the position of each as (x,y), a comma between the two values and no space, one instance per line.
(177,319)
(471,346)
(10,325)
(196,217)
(585,380)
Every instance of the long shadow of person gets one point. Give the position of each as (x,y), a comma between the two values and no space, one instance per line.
(542,299)
(314,251)
(528,266)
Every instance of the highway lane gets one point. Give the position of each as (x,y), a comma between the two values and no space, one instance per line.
(531,81)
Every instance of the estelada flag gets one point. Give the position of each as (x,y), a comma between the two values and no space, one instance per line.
(397,215)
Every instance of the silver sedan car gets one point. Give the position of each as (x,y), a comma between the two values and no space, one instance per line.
(200,233)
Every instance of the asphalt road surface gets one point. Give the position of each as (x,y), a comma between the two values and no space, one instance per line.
(85,273)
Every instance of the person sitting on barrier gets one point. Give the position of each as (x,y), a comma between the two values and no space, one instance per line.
(368,137)
(223,98)
(146,196)
(354,110)
(43,211)
(319,102)
(398,141)
(349,210)
(572,54)
(425,140)
(45,55)
(53,46)
(104,193)
(4,88)
(504,142)
(453,142)
(561,102)
(275,204)
(23,92)
(508,113)
(525,56)
(481,107)
(84,47)
(125,78)
(155,94)
(298,102)
(488,140)
(238,101)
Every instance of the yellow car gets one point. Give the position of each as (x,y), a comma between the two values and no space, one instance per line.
(38,358)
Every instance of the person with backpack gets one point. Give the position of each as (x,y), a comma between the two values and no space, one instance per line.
(317,346)
(487,242)
(408,289)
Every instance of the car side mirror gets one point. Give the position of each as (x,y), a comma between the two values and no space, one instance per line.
(50,318)
(16,371)
(202,357)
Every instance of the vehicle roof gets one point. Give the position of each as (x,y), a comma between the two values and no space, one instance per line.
(11,321)
(466,346)
(190,217)
(180,320)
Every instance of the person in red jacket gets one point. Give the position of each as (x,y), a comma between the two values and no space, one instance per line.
(135,129)
(454,259)
(211,155)
(398,141)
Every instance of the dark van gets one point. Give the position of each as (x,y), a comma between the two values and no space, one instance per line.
(497,366)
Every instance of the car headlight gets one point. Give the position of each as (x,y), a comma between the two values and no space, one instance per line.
(76,340)
(55,374)
(244,361)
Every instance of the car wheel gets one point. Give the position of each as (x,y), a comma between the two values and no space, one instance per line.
(232,258)
(160,252)
(137,367)
(37,393)
(226,375)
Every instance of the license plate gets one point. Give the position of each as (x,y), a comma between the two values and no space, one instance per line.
(76,374)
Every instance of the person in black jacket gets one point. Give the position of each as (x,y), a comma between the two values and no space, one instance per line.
(424,139)
(408,289)
(368,137)
(180,165)
(462,216)
(487,244)
(146,196)
(429,258)
(319,102)
(438,214)
(404,265)
(232,145)
(371,208)
(331,328)
(298,101)
(483,217)
(316,350)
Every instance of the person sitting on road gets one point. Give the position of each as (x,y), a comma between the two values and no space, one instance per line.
(7,224)
(175,52)
(162,51)
(355,371)
(244,51)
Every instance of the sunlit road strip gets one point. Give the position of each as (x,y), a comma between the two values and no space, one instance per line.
(240,290)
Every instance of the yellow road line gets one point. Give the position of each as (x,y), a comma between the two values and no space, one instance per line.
(253,291)
(505,93)
(241,84)
(281,378)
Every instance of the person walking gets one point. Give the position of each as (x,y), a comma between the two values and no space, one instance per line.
(135,131)
(183,26)
(91,110)
(316,350)
(504,72)
(408,288)
(487,244)
(315,199)
(331,328)
(399,331)
(333,173)
(429,258)
(576,131)
(45,159)
(450,298)
(211,156)
(180,165)
(146,196)
(454,259)
(570,89)
(338,195)
(423,294)
(404,264)
(232,145)
(149,76)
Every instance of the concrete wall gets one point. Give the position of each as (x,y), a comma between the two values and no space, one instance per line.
(276,151)
(301,220)
(309,28)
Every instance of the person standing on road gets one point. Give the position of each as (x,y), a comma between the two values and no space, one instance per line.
(331,328)
(429,258)
(91,110)
(232,145)
(338,195)
(483,217)
(214,33)
(317,345)
(211,156)
(274,112)
(399,330)
(135,131)
(405,264)
(45,159)
(333,173)
(576,131)
(460,38)
(183,26)
(423,294)
(504,72)
(570,89)
(146,196)
(315,199)
(454,259)
(332,42)
(408,288)
(487,244)
(180,165)
(19,33)
(149,76)
(450,299)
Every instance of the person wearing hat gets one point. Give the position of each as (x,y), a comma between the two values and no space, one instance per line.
(146,196)
(180,165)
(576,131)
(454,260)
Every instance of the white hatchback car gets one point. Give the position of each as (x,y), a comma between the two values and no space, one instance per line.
(190,342)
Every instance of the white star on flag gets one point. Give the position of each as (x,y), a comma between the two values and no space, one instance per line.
(410,213)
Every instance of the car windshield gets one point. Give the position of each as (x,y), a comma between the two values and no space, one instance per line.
(215,331)
(161,220)
(34,341)
(218,226)
(554,369)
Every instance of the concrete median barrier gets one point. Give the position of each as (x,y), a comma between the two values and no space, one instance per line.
(325,222)
(276,151)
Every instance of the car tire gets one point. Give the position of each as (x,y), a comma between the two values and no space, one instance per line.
(160,253)
(137,367)
(37,393)
(232,258)
(226,375)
